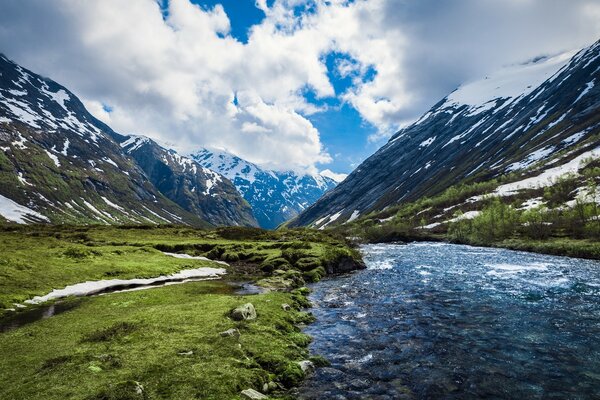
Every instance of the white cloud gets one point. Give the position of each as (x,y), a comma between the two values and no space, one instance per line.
(183,79)
(335,176)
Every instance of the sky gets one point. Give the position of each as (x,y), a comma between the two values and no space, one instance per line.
(311,85)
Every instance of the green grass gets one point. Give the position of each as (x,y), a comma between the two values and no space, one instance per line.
(166,339)
(35,260)
(146,336)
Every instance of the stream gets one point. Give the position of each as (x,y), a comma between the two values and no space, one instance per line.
(442,321)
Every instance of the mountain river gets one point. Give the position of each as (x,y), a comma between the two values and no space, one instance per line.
(442,321)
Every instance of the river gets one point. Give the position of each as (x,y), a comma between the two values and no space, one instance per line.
(442,321)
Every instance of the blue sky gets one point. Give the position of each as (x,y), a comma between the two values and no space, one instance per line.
(344,134)
(315,85)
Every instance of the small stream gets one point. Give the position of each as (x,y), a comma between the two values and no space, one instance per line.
(441,321)
(37,312)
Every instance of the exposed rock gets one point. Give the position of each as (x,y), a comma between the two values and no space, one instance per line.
(186,353)
(343,265)
(230,332)
(307,366)
(244,312)
(251,394)
(286,307)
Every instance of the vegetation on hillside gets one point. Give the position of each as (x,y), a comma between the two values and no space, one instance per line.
(563,218)
(163,343)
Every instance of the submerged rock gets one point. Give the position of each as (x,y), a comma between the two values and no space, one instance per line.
(251,394)
(230,332)
(244,312)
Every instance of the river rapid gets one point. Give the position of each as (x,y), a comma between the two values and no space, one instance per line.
(442,321)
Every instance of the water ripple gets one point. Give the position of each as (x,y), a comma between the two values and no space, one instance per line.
(433,320)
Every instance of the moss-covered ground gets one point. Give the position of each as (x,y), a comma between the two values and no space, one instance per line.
(161,343)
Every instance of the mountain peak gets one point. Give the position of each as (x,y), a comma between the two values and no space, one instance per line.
(275,196)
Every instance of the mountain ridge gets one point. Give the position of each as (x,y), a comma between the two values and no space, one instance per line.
(275,196)
(455,141)
(60,164)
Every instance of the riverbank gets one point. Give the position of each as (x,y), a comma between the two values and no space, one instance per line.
(167,342)
(557,246)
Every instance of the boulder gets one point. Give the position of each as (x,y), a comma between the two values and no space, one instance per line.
(251,394)
(307,366)
(230,332)
(244,312)
(286,307)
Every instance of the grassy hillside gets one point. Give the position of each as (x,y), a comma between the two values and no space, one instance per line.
(561,217)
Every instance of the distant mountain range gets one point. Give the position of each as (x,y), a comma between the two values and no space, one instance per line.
(274,196)
(59,164)
(522,120)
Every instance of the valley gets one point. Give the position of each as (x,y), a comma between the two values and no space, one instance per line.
(298,199)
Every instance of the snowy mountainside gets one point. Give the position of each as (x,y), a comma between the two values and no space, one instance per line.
(509,121)
(275,196)
(195,188)
(59,164)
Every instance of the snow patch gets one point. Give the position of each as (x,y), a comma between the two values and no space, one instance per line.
(15,212)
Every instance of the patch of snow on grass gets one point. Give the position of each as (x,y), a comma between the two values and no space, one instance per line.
(15,212)
(95,287)
(188,257)
(53,158)
(547,177)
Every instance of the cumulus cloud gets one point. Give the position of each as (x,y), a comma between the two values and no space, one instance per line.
(333,175)
(180,77)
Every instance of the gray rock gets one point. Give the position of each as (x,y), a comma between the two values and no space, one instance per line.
(252,394)
(286,307)
(307,366)
(230,332)
(244,312)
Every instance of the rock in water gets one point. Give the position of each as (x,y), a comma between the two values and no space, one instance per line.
(252,394)
(307,366)
(244,312)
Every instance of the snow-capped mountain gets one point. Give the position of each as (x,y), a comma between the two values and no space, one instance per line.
(509,122)
(195,188)
(59,164)
(275,196)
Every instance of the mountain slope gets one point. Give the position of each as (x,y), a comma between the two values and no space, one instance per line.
(196,189)
(274,196)
(59,164)
(505,123)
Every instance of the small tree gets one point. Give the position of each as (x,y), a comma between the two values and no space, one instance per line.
(536,222)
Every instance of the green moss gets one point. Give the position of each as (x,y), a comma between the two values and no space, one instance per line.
(315,275)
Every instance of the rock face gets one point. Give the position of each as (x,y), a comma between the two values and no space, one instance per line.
(274,196)
(244,312)
(195,188)
(344,265)
(59,164)
(506,122)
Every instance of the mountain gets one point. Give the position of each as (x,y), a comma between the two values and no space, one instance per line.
(59,164)
(275,196)
(195,188)
(503,126)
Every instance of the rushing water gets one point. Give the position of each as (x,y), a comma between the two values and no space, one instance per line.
(429,321)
